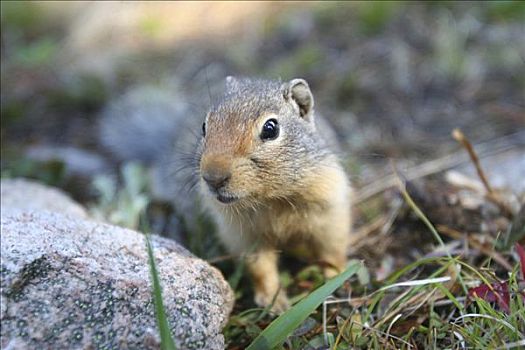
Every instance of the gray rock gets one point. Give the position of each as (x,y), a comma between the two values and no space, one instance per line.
(68,282)
(142,124)
(77,161)
(29,195)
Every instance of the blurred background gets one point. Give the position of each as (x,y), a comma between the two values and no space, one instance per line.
(394,78)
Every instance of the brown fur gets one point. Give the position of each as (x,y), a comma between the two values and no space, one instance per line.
(290,190)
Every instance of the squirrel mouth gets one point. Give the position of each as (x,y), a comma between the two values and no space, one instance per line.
(226,199)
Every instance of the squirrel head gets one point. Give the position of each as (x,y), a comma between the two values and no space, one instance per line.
(259,141)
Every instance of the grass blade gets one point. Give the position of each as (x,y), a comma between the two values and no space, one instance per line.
(166,341)
(426,221)
(285,324)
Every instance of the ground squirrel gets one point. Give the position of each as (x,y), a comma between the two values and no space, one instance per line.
(271,181)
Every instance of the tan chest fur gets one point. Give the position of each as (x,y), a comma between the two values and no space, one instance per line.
(324,202)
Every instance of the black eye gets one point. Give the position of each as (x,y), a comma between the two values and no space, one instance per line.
(204,129)
(270,130)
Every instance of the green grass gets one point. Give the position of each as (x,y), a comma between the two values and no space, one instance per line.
(276,333)
(166,341)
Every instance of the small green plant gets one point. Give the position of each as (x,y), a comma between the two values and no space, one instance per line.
(122,206)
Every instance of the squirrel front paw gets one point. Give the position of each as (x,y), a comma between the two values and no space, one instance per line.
(278,303)
(330,272)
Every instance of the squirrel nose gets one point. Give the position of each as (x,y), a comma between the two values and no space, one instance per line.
(216,178)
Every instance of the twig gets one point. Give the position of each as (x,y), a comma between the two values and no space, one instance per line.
(222,258)
(422,170)
(340,335)
(412,301)
(362,236)
(438,165)
(462,139)
(383,333)
(365,230)
(476,244)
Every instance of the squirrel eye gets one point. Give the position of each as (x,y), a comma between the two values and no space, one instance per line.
(270,130)
(204,129)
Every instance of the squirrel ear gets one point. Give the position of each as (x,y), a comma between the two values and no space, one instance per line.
(298,91)
(232,83)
